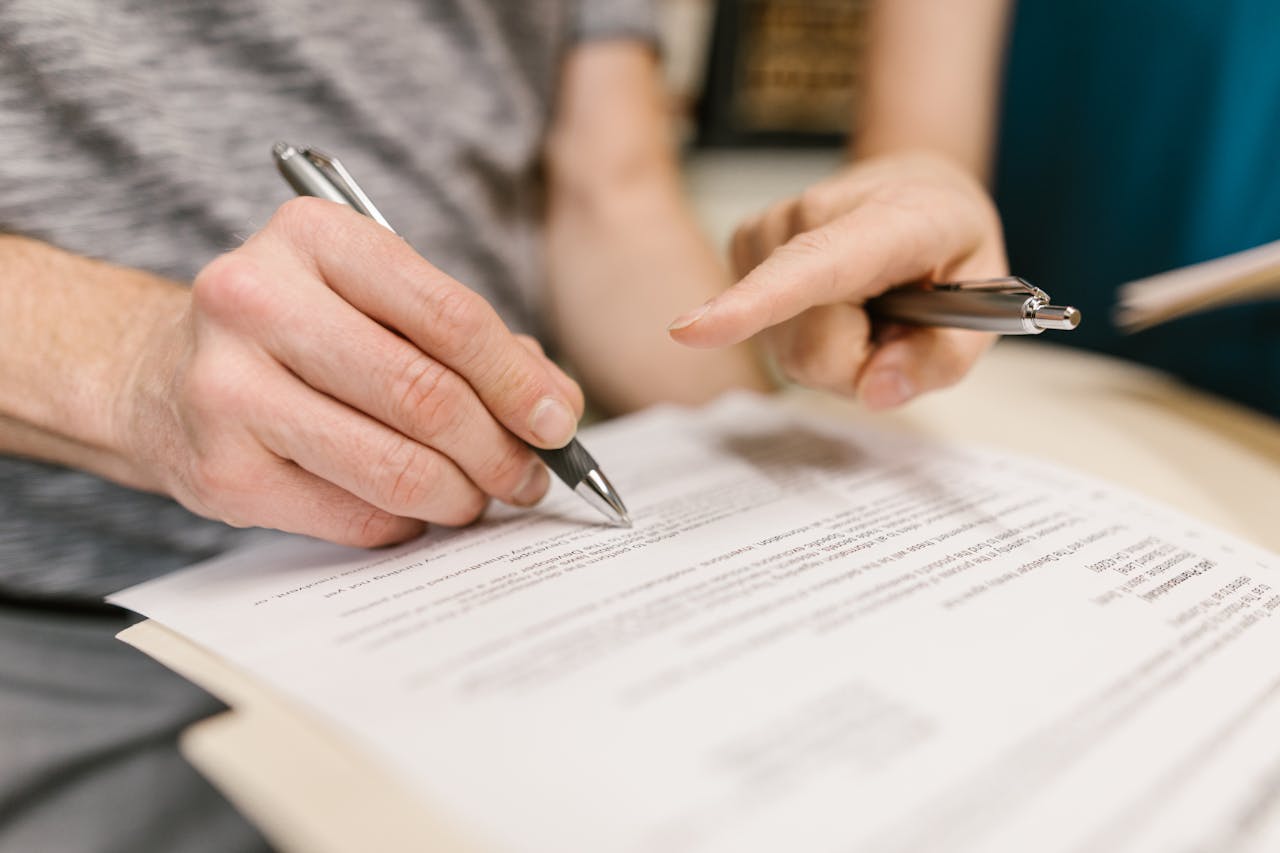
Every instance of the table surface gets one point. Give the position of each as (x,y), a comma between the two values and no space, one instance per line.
(1119,422)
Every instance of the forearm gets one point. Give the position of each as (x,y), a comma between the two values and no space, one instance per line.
(931,79)
(625,254)
(71,331)
(624,267)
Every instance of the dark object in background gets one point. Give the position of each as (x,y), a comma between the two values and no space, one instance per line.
(782,72)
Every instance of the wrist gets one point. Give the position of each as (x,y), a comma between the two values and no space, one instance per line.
(140,409)
(72,331)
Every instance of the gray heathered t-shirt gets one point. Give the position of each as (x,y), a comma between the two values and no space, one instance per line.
(140,132)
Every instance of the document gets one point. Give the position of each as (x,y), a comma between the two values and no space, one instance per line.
(816,637)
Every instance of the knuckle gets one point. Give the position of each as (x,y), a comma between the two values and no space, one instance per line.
(229,288)
(426,395)
(518,386)
(457,314)
(891,195)
(504,469)
(815,241)
(371,528)
(404,478)
(410,483)
(814,207)
(808,266)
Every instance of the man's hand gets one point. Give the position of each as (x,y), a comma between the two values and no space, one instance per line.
(325,379)
(809,264)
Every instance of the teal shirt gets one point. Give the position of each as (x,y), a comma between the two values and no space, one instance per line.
(1138,136)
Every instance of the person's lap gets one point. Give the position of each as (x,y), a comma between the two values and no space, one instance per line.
(88,757)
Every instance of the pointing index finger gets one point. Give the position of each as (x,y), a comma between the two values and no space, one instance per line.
(850,259)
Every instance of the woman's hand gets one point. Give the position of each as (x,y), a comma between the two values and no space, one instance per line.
(808,265)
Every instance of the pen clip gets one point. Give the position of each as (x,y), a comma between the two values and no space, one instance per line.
(333,173)
(345,184)
(1008,284)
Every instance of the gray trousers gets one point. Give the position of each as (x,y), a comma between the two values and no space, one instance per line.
(88,758)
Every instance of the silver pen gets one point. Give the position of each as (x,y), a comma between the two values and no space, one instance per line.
(1007,306)
(312,173)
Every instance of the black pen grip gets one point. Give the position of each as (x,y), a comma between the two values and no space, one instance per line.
(570,463)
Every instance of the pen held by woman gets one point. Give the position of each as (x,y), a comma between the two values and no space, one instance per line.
(1006,306)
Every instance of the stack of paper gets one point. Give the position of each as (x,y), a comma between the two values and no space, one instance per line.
(814,638)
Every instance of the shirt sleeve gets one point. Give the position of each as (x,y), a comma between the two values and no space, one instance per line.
(605,19)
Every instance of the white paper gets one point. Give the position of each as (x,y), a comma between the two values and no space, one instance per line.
(815,638)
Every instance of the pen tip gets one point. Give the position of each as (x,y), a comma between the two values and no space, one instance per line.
(596,490)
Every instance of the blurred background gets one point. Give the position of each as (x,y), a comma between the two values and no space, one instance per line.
(763,93)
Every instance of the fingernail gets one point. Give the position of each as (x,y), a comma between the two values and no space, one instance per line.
(688,318)
(533,486)
(886,388)
(553,422)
